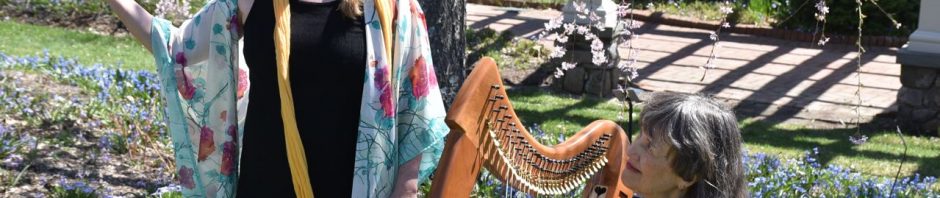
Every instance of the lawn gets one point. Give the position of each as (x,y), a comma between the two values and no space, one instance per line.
(23,39)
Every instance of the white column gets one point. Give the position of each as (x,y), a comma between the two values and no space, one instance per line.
(926,38)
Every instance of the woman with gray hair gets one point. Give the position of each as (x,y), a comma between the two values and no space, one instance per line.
(689,146)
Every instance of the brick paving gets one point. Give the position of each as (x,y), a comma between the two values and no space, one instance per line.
(776,80)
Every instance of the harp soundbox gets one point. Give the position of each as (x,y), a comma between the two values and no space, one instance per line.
(486,132)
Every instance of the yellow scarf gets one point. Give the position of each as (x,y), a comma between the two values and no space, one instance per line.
(295,149)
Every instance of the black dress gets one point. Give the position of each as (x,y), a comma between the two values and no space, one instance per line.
(327,70)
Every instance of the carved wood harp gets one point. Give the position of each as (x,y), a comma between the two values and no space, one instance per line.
(485,132)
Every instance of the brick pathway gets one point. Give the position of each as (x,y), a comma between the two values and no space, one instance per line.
(773,79)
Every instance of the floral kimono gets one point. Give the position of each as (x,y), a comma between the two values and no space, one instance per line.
(205,89)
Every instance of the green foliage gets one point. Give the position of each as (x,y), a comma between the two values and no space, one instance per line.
(57,8)
(843,19)
(78,10)
(799,14)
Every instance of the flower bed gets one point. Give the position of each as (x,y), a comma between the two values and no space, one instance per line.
(95,130)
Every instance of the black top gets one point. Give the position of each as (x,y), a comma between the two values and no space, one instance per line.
(327,70)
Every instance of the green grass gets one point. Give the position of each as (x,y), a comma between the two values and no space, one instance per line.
(561,114)
(880,156)
(89,48)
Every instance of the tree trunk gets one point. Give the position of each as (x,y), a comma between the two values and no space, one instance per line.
(445,19)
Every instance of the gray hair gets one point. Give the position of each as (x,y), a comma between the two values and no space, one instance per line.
(705,142)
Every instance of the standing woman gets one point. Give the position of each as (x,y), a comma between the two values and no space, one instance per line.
(344,97)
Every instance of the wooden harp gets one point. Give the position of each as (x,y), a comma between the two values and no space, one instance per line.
(485,132)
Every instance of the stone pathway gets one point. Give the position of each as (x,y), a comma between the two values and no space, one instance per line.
(776,80)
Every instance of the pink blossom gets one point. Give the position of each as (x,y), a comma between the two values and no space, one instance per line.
(553,24)
(567,65)
(172,9)
(822,41)
(559,72)
(558,52)
(726,10)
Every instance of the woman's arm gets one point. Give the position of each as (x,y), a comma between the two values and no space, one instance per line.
(138,20)
(406,184)
(135,18)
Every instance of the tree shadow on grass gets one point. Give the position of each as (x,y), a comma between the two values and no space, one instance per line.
(833,143)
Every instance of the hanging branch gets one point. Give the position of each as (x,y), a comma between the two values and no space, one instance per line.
(821,12)
(858,138)
(725,9)
(628,67)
